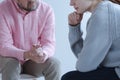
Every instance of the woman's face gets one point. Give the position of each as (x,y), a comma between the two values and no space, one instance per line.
(28,5)
(81,6)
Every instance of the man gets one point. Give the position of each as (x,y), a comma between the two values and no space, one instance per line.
(27,40)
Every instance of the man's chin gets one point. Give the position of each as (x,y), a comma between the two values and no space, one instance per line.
(33,8)
(30,9)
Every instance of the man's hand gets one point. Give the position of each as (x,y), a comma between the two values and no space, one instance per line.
(35,54)
(74,18)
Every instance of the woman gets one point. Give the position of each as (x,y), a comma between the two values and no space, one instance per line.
(99,54)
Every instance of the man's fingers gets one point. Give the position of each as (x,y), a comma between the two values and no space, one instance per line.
(39,59)
(36,46)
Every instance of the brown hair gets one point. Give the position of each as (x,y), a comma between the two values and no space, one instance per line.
(116,1)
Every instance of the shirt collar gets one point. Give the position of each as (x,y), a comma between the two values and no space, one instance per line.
(18,9)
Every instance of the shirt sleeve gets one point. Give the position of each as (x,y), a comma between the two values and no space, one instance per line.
(97,42)
(7,48)
(48,35)
(75,39)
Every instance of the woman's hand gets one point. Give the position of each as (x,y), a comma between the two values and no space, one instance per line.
(74,18)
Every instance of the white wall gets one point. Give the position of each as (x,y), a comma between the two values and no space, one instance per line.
(63,52)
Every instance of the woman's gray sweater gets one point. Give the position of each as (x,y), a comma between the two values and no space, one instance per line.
(101,46)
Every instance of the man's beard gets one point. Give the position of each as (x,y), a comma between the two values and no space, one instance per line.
(29,7)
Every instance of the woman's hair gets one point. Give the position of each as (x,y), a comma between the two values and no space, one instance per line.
(115,1)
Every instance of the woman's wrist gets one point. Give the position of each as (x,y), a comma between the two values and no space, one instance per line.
(73,25)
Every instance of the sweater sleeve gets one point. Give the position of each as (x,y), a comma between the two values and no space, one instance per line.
(75,39)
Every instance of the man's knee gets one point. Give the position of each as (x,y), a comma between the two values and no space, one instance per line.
(53,62)
(11,69)
(52,65)
(12,63)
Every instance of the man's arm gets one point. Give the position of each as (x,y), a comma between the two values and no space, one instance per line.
(47,37)
(7,49)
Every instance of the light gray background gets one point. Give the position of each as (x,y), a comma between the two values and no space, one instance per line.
(63,52)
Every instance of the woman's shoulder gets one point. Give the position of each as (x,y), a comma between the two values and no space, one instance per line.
(111,6)
(105,7)
(100,10)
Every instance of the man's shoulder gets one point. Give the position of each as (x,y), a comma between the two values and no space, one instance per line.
(4,6)
(4,3)
(45,6)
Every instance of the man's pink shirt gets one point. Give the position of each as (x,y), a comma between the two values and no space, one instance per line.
(20,30)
